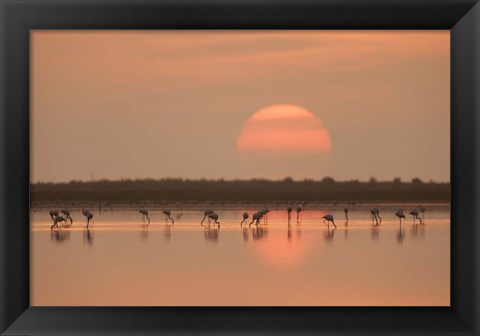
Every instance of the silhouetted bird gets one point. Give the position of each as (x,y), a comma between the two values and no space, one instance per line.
(88,215)
(376,215)
(414,213)
(298,209)
(53,213)
(289,210)
(245,217)
(167,214)
(327,219)
(206,213)
(264,213)
(214,217)
(400,215)
(66,212)
(422,209)
(256,218)
(57,219)
(144,213)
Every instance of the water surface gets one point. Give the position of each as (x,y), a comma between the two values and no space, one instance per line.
(120,261)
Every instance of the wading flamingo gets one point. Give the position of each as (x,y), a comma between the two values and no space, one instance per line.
(400,215)
(298,209)
(214,217)
(66,212)
(289,210)
(422,209)
(206,213)
(89,216)
(53,213)
(56,220)
(256,218)
(167,214)
(245,217)
(327,219)
(376,215)
(144,213)
(414,213)
(264,213)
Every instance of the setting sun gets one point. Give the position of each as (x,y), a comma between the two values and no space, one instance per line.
(284,129)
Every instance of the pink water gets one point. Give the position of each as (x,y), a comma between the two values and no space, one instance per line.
(121,262)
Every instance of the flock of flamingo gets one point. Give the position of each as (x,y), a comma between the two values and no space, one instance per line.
(212,217)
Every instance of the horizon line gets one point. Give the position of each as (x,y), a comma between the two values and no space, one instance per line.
(285,179)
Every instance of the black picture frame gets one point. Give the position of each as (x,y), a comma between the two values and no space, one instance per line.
(17,17)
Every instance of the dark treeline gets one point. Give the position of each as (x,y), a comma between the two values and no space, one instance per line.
(255,190)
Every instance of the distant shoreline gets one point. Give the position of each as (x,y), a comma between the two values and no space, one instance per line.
(240,192)
(176,207)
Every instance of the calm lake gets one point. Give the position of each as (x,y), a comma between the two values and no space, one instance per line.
(121,262)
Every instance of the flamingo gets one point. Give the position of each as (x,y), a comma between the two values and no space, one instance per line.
(400,215)
(245,217)
(57,219)
(214,217)
(346,213)
(376,215)
(256,218)
(167,214)
(53,213)
(422,209)
(66,212)
(206,213)
(298,209)
(414,213)
(89,216)
(264,213)
(144,213)
(289,210)
(328,219)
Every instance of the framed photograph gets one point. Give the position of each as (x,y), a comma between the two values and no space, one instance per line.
(228,167)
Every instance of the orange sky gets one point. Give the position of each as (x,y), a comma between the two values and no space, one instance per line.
(138,104)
